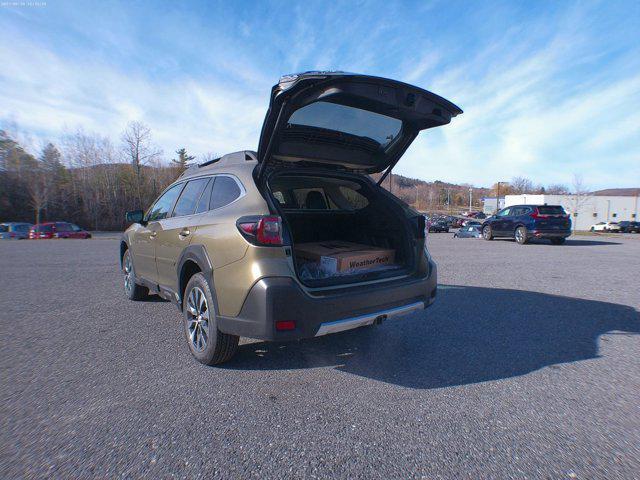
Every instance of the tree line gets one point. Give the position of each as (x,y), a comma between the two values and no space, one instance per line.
(87,179)
(90,181)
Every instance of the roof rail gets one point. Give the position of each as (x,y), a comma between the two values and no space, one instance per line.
(209,162)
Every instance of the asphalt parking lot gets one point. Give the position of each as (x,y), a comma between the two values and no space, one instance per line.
(527,366)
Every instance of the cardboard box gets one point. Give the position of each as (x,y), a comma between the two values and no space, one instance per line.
(339,256)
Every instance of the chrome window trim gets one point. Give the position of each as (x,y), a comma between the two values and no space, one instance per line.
(243,193)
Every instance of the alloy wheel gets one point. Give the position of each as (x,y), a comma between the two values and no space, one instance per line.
(128,272)
(198,319)
(519,235)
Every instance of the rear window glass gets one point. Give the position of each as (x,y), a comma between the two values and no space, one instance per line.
(311,198)
(45,228)
(355,199)
(4,228)
(354,121)
(551,210)
(225,191)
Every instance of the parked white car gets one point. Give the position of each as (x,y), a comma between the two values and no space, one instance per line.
(605,227)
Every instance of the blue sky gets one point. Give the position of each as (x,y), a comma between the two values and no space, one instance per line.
(549,89)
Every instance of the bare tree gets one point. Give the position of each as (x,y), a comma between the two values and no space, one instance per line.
(557,189)
(521,185)
(579,197)
(38,187)
(138,150)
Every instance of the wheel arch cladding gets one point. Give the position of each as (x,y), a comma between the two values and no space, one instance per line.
(194,259)
(123,248)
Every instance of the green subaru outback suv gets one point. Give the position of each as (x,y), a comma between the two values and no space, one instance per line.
(224,240)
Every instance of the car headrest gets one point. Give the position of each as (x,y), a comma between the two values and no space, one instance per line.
(315,201)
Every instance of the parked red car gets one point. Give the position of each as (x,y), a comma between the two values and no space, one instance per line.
(57,230)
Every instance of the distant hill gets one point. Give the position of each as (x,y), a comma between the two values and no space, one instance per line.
(623,192)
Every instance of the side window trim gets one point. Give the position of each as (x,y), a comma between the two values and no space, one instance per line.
(208,188)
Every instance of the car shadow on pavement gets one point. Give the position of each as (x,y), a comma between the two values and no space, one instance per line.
(469,335)
(586,243)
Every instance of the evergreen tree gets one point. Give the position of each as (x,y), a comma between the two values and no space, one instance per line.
(183,158)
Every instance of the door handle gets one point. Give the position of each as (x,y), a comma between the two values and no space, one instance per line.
(152,235)
(184,233)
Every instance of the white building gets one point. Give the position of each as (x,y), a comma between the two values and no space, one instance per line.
(585,211)
(490,205)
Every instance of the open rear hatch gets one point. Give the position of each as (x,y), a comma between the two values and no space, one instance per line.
(346,121)
(321,129)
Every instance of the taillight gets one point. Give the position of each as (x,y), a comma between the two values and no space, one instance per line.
(285,325)
(536,214)
(265,230)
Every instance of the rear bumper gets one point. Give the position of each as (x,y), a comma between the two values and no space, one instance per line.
(277,299)
(549,233)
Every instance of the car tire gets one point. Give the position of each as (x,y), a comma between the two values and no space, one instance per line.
(487,232)
(521,235)
(133,290)
(207,344)
(558,241)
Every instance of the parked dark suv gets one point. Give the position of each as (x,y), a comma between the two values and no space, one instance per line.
(629,227)
(524,222)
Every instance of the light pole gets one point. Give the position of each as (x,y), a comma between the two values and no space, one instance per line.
(470,197)
(498,195)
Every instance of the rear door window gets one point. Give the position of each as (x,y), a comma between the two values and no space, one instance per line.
(203,203)
(225,191)
(189,197)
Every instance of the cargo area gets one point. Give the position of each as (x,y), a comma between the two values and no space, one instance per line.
(342,230)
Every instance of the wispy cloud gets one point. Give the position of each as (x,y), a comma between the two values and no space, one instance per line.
(547,91)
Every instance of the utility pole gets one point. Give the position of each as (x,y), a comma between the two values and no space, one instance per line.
(498,195)
(470,197)
(416,187)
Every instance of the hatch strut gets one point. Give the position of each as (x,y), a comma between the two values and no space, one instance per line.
(399,154)
(263,161)
(387,172)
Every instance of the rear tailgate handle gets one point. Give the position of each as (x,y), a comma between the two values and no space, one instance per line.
(185,232)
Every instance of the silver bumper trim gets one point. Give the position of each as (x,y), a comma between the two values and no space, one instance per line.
(368,319)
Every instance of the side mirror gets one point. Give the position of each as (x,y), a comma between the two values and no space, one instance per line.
(134,216)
